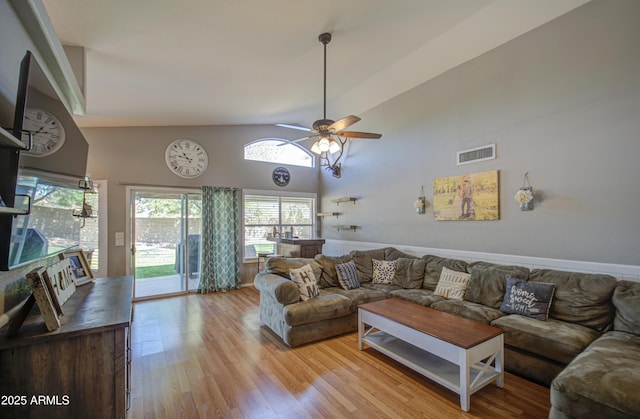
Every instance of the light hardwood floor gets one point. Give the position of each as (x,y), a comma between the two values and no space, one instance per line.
(208,356)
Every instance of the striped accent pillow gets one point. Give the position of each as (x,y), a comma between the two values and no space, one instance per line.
(348,275)
(452,284)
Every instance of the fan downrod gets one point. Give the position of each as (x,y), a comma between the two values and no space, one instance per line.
(324,38)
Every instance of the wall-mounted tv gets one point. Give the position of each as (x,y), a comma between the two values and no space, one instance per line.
(48,173)
(58,144)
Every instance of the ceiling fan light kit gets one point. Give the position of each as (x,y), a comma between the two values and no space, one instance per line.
(329,135)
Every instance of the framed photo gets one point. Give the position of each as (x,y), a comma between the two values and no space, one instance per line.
(80,268)
(470,197)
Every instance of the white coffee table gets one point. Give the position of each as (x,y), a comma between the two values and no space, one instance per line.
(461,354)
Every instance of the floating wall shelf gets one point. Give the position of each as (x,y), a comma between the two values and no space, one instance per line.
(345,227)
(17,211)
(13,211)
(328,214)
(339,200)
(7,140)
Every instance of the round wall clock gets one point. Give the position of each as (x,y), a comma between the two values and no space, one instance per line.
(47,132)
(281,176)
(186,158)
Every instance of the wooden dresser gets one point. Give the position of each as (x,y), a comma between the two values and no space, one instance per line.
(82,369)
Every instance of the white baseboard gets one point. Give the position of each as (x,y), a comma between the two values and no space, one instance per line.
(628,272)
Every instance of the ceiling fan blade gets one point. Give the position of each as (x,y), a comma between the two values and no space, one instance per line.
(294,127)
(297,140)
(343,123)
(355,134)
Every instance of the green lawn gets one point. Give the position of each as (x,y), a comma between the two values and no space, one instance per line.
(154,271)
(263,247)
(155,261)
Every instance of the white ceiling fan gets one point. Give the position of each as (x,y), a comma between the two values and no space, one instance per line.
(329,135)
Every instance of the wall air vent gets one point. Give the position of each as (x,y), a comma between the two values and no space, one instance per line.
(485,152)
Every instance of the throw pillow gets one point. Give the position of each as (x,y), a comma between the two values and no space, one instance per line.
(348,275)
(452,284)
(306,282)
(531,299)
(383,271)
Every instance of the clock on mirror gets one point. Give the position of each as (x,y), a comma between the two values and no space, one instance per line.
(47,133)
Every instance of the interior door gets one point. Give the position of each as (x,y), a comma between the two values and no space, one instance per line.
(165,237)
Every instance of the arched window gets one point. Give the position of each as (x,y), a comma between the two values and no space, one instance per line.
(268,150)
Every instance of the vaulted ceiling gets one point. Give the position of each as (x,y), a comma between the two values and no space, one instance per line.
(219,62)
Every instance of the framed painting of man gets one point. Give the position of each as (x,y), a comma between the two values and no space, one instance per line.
(469,197)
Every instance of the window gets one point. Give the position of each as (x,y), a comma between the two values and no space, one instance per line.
(263,211)
(93,236)
(50,227)
(270,150)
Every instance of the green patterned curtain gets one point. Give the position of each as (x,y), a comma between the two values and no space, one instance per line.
(220,239)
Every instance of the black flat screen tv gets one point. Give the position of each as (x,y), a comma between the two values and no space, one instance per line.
(57,159)
(58,145)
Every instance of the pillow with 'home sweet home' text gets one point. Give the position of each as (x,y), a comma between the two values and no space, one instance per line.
(531,299)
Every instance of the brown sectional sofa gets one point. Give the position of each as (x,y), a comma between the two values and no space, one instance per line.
(590,315)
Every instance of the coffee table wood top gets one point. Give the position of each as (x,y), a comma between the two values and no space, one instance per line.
(450,328)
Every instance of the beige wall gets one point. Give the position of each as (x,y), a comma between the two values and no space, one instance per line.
(135,155)
(561,102)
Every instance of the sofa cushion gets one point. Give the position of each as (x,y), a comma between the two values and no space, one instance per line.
(487,284)
(329,277)
(383,271)
(306,282)
(391,253)
(282,290)
(601,382)
(348,275)
(364,262)
(325,306)
(409,272)
(579,297)
(386,288)
(434,265)
(626,299)
(359,295)
(418,296)
(553,339)
(469,310)
(452,284)
(281,266)
(531,299)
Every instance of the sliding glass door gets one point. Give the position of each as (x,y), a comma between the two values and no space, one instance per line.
(165,237)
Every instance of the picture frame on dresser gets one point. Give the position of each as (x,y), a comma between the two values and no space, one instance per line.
(79,266)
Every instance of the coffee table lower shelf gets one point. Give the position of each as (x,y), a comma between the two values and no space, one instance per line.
(464,371)
(431,366)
